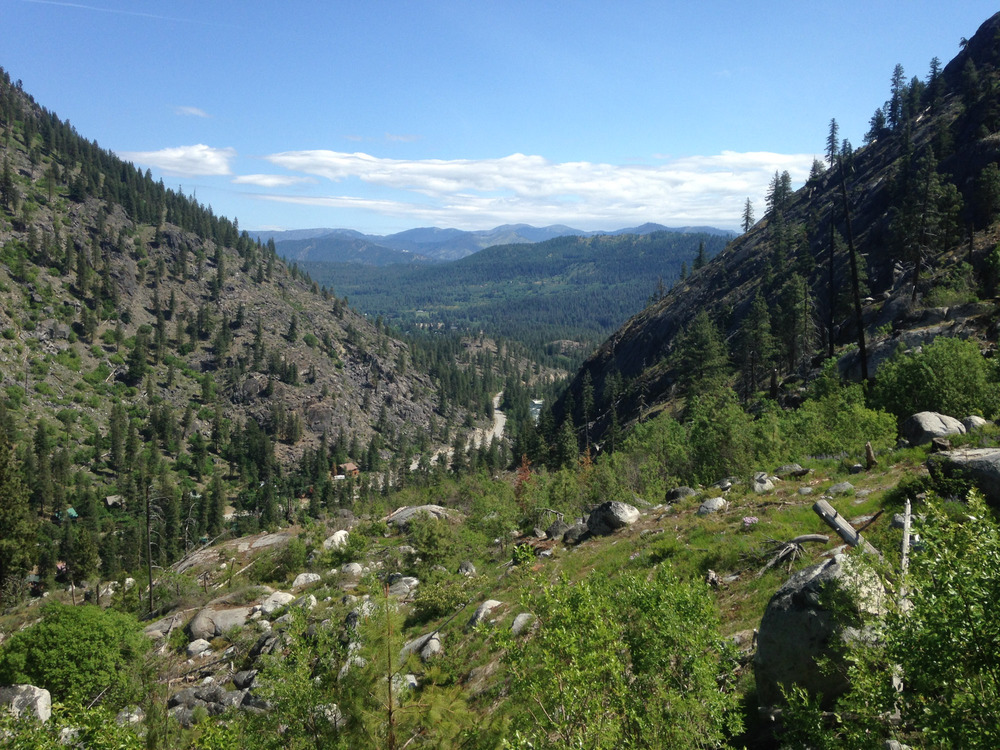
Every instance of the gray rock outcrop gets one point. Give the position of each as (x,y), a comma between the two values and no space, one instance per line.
(575,533)
(924,426)
(608,517)
(198,647)
(972,423)
(426,647)
(276,601)
(401,517)
(25,699)
(467,569)
(211,622)
(798,628)
(521,623)
(556,529)
(979,465)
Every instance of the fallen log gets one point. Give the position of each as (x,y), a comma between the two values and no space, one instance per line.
(839,524)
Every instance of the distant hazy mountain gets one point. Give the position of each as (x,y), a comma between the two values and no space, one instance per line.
(426,244)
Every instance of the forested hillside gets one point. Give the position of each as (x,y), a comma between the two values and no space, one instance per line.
(560,297)
(879,234)
(150,349)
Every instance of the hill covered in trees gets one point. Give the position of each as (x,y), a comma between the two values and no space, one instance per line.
(559,297)
(845,266)
(151,349)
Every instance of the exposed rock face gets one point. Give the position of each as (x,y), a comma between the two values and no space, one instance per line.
(402,586)
(352,569)
(211,622)
(980,465)
(21,699)
(575,533)
(608,517)
(276,601)
(973,423)
(799,627)
(401,517)
(924,426)
(467,569)
(840,488)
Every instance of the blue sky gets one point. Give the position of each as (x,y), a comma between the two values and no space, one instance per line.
(382,116)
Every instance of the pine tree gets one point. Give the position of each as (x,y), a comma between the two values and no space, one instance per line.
(756,346)
(747,216)
(701,359)
(17,527)
(833,141)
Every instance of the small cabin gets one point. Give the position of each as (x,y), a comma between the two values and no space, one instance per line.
(350,469)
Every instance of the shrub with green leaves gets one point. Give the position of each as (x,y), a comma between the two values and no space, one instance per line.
(629,663)
(948,375)
(835,419)
(941,644)
(78,654)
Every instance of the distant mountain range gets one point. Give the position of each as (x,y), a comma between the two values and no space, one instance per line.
(430,244)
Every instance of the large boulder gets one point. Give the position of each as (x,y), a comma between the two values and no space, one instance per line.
(337,540)
(608,517)
(924,426)
(801,625)
(211,622)
(276,601)
(979,465)
(426,647)
(23,699)
(712,505)
(305,579)
(762,483)
(678,493)
(482,612)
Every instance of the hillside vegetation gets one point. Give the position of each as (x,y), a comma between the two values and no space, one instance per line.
(651,564)
(559,298)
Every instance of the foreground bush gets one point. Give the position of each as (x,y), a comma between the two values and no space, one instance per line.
(79,654)
(630,663)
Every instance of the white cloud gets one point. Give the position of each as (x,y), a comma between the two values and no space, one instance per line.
(476,192)
(271,180)
(185,161)
(191,112)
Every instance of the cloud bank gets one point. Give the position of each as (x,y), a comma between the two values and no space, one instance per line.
(530,188)
(185,161)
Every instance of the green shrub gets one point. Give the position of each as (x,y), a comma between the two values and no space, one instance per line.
(835,420)
(77,654)
(948,375)
(439,599)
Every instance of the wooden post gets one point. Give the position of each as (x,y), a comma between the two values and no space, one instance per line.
(904,565)
(847,532)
